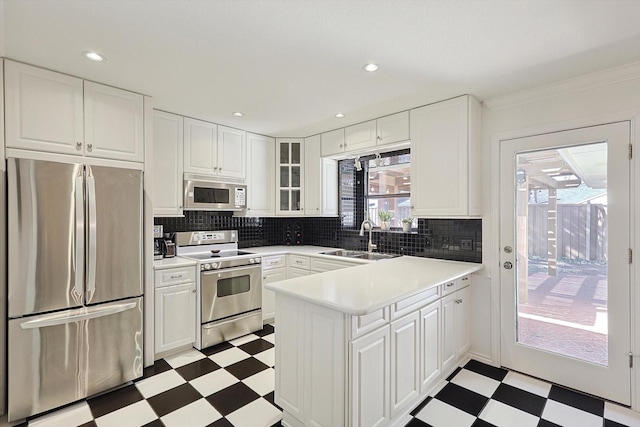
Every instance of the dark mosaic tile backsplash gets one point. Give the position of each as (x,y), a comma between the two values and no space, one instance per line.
(453,239)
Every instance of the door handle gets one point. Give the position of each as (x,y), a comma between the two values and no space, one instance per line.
(508,265)
(91,265)
(79,201)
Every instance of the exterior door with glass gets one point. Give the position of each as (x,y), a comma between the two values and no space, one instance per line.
(564,255)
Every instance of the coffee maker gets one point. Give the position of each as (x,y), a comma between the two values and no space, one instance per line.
(158,240)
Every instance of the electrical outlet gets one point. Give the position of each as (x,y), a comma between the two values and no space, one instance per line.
(466,244)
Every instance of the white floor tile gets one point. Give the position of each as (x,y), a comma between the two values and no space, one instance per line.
(184,358)
(439,414)
(526,383)
(229,357)
(213,382)
(159,383)
(501,415)
(271,338)
(244,339)
(258,413)
(475,382)
(197,414)
(268,357)
(138,414)
(263,382)
(568,416)
(72,415)
(621,415)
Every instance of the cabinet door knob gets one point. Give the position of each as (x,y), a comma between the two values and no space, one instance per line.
(78,145)
(89,147)
(193,291)
(340,145)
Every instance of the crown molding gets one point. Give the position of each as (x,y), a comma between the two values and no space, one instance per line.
(589,81)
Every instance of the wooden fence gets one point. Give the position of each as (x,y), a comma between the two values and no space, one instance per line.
(582,231)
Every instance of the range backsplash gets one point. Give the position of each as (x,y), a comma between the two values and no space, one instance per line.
(434,238)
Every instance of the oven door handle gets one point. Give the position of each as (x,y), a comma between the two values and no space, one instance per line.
(232,269)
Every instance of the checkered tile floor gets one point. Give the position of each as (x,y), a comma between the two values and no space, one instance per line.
(480,395)
(231,385)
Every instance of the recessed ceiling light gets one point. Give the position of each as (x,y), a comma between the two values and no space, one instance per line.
(238,114)
(371,67)
(93,56)
(339,115)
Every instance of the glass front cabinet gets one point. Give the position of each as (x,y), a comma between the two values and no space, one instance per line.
(290,176)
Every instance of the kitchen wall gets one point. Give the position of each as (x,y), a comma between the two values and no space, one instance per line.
(433,238)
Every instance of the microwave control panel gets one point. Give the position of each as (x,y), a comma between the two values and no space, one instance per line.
(241,197)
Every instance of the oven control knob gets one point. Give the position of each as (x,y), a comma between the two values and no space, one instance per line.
(252,261)
(257,260)
(207,266)
(215,265)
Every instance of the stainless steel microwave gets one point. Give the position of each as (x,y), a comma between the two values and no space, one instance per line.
(204,195)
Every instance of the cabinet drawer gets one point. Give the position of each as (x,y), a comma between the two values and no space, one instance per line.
(360,325)
(175,276)
(320,265)
(414,302)
(449,287)
(299,261)
(276,261)
(463,282)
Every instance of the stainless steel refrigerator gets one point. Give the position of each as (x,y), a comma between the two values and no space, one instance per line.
(74,282)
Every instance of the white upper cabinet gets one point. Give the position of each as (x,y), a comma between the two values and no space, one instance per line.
(214,150)
(44,110)
(332,142)
(320,181)
(290,177)
(56,113)
(392,129)
(360,136)
(445,159)
(200,147)
(261,175)
(113,123)
(167,164)
(232,153)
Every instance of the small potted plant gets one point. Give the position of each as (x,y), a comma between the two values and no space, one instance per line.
(406,224)
(385,217)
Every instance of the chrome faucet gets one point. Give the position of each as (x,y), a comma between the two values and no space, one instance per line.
(370,246)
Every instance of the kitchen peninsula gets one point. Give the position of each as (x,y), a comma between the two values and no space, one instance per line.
(361,346)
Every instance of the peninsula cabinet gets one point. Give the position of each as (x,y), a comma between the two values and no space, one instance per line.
(445,159)
(261,175)
(167,163)
(56,113)
(215,151)
(386,361)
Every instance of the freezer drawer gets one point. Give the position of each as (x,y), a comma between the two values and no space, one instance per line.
(57,358)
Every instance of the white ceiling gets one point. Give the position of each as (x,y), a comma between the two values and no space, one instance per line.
(290,65)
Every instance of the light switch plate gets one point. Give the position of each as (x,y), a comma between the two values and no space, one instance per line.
(466,244)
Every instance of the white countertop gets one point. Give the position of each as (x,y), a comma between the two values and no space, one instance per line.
(363,289)
(305,250)
(177,261)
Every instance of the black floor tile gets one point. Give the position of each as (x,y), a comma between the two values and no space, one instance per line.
(197,369)
(416,423)
(175,398)
(266,330)
(609,423)
(462,398)
(271,398)
(245,368)
(497,374)
(481,423)
(89,424)
(545,423)
(454,373)
(158,367)
(222,422)
(420,406)
(114,400)
(154,423)
(231,398)
(216,348)
(256,346)
(577,400)
(521,399)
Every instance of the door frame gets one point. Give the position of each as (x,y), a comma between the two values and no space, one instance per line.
(491,246)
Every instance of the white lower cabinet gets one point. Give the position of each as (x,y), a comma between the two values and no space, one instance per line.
(175,310)
(455,329)
(430,345)
(405,362)
(274,269)
(370,372)
(290,363)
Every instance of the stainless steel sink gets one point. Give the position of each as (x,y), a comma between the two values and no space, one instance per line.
(372,256)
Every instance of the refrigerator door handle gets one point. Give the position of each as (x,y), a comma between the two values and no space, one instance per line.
(77,315)
(79,200)
(91,264)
